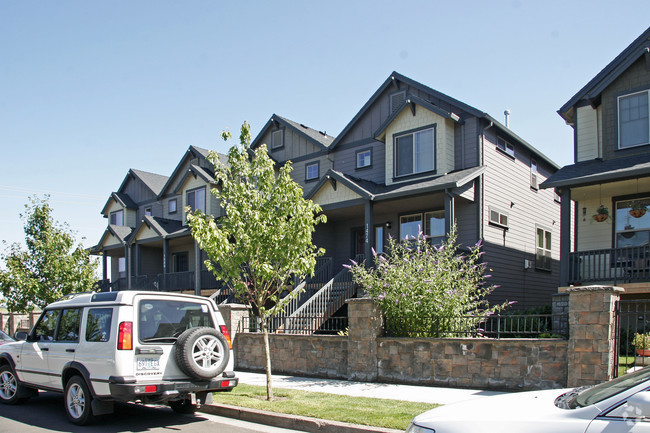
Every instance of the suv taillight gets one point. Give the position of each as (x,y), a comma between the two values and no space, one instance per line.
(226,334)
(125,336)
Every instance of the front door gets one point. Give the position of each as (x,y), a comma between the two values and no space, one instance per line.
(359,242)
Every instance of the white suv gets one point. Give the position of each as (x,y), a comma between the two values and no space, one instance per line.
(131,346)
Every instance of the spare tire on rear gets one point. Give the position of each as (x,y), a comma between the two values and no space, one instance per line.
(202,352)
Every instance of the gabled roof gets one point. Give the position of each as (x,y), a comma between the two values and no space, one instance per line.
(377,192)
(195,170)
(162,226)
(192,152)
(122,199)
(122,233)
(596,171)
(590,93)
(411,101)
(321,139)
(153,181)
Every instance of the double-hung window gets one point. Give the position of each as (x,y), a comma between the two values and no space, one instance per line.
(196,199)
(415,152)
(633,120)
(364,158)
(543,250)
(117,218)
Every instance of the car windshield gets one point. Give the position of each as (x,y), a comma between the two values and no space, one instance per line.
(595,394)
(165,320)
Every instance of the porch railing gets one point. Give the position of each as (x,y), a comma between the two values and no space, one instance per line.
(616,265)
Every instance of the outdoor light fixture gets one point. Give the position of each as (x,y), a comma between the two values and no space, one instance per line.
(388,225)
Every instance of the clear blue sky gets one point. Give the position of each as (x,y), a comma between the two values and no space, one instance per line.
(89,89)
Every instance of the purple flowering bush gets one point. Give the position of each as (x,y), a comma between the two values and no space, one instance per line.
(426,289)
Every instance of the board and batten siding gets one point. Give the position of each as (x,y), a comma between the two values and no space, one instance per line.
(507,189)
(466,147)
(298,174)
(587,133)
(295,145)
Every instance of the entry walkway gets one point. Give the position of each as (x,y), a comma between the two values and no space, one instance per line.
(425,394)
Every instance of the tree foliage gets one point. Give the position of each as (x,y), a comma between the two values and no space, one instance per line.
(426,290)
(51,266)
(264,239)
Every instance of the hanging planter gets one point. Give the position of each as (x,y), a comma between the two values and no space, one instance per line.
(638,209)
(602,213)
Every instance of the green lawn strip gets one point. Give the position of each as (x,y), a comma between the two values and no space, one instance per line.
(375,412)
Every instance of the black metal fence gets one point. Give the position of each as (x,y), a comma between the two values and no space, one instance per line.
(307,325)
(493,326)
(632,335)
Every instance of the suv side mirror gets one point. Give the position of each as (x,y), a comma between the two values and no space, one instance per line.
(20,335)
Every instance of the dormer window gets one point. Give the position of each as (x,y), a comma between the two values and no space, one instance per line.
(117,218)
(633,120)
(172,205)
(277,139)
(415,152)
(196,199)
(312,171)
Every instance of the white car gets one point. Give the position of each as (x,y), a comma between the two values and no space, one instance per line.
(620,405)
(131,346)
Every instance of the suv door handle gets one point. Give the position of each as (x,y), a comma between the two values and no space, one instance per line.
(69,350)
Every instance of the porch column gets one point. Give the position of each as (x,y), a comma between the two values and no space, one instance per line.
(104,265)
(138,252)
(165,263)
(129,266)
(197,269)
(450,211)
(369,232)
(565,235)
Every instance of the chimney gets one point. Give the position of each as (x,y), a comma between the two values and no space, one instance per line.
(507,113)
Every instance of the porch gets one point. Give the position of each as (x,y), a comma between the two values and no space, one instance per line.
(610,266)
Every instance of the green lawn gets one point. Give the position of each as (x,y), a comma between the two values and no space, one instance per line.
(375,412)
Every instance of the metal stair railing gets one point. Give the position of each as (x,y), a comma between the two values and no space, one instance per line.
(321,306)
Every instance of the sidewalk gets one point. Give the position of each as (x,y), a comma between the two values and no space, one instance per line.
(425,394)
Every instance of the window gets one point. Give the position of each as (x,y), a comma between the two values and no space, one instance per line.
(172,205)
(69,326)
(433,228)
(633,124)
(311,171)
(117,218)
(98,325)
(379,239)
(277,139)
(46,326)
(632,231)
(543,252)
(533,175)
(499,218)
(505,146)
(196,199)
(364,158)
(414,152)
(147,210)
(121,266)
(164,318)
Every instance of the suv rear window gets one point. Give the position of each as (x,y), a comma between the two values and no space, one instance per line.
(165,319)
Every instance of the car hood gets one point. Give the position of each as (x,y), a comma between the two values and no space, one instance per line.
(529,412)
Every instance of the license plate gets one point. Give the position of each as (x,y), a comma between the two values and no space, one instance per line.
(148,364)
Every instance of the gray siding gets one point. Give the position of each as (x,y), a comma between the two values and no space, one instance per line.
(466,138)
(636,78)
(507,188)
(295,145)
(345,161)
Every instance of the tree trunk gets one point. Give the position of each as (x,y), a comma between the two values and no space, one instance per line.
(267,356)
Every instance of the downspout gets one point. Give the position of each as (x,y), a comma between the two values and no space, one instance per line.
(481,162)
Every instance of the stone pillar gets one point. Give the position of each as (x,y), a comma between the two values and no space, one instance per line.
(233,315)
(591,334)
(365,325)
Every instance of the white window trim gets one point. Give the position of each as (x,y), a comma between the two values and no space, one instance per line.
(277,133)
(547,252)
(507,147)
(175,201)
(363,152)
(117,212)
(534,181)
(308,166)
(500,214)
(618,118)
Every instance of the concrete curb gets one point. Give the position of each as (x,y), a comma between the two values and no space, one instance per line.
(293,422)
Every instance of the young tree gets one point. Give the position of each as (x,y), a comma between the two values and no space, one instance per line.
(424,289)
(265,237)
(50,268)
